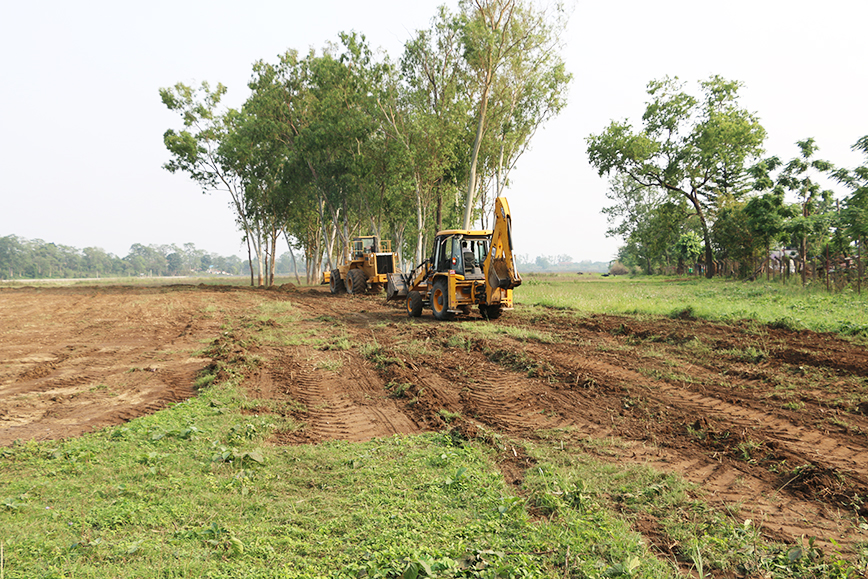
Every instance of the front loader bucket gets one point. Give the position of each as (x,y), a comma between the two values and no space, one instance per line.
(397,287)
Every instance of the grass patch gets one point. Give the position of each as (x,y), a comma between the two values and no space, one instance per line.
(196,491)
(583,493)
(780,306)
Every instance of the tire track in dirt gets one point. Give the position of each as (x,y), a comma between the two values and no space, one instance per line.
(591,406)
(75,359)
(348,405)
(822,448)
(783,514)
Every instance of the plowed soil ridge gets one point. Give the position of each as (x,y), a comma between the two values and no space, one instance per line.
(769,423)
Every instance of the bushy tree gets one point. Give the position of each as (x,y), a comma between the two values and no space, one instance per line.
(696,149)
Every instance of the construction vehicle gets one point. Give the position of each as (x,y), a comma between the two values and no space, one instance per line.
(466,268)
(370,262)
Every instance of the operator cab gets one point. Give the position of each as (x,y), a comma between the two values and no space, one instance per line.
(461,253)
(363,246)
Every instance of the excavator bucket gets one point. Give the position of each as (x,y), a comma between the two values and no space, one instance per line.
(397,287)
(498,275)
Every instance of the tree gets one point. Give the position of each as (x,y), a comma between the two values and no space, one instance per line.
(426,113)
(767,217)
(696,150)
(688,247)
(799,176)
(855,213)
(196,148)
(511,49)
(175,263)
(11,250)
(646,218)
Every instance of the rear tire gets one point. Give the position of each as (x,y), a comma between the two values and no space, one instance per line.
(357,282)
(440,300)
(336,285)
(414,304)
(491,312)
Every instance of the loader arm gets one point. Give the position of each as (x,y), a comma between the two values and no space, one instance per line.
(499,264)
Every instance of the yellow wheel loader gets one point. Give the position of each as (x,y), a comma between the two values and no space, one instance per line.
(368,268)
(467,268)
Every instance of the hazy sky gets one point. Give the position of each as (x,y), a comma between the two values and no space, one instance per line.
(82,123)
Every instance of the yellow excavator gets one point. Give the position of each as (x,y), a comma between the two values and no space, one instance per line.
(466,268)
(370,262)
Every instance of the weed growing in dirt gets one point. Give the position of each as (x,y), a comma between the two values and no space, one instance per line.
(460,342)
(447,416)
(522,333)
(330,364)
(398,389)
(379,355)
(750,354)
(521,362)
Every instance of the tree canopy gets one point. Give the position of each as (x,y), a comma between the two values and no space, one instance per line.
(344,141)
(696,149)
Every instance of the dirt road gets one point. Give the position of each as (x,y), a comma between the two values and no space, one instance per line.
(771,423)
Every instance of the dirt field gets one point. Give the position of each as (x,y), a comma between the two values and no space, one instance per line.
(771,423)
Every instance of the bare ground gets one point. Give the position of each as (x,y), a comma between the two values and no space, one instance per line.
(771,423)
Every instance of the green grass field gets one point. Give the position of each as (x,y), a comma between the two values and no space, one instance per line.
(789,306)
(196,491)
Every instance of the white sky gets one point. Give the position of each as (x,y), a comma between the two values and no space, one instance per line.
(81,122)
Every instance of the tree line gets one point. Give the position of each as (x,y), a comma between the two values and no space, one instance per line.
(37,259)
(348,141)
(22,258)
(692,186)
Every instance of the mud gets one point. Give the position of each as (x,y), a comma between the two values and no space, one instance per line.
(770,423)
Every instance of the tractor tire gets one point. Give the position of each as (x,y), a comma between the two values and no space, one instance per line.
(357,282)
(414,304)
(336,284)
(491,312)
(440,300)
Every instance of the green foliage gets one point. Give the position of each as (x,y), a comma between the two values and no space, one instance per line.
(696,150)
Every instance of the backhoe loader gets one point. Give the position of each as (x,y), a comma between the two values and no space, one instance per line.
(370,262)
(466,268)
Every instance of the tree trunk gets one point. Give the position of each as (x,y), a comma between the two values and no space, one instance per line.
(474,157)
(803,250)
(250,260)
(292,255)
(439,209)
(420,224)
(274,234)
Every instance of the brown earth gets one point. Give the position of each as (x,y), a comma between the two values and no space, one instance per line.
(770,423)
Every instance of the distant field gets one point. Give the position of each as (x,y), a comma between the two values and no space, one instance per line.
(788,306)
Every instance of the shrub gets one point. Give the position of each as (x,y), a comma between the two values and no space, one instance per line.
(618,268)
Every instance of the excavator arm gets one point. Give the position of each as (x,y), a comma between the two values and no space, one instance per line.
(499,264)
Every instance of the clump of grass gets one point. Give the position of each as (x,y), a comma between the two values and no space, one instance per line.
(330,364)
(520,362)
(398,389)
(522,333)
